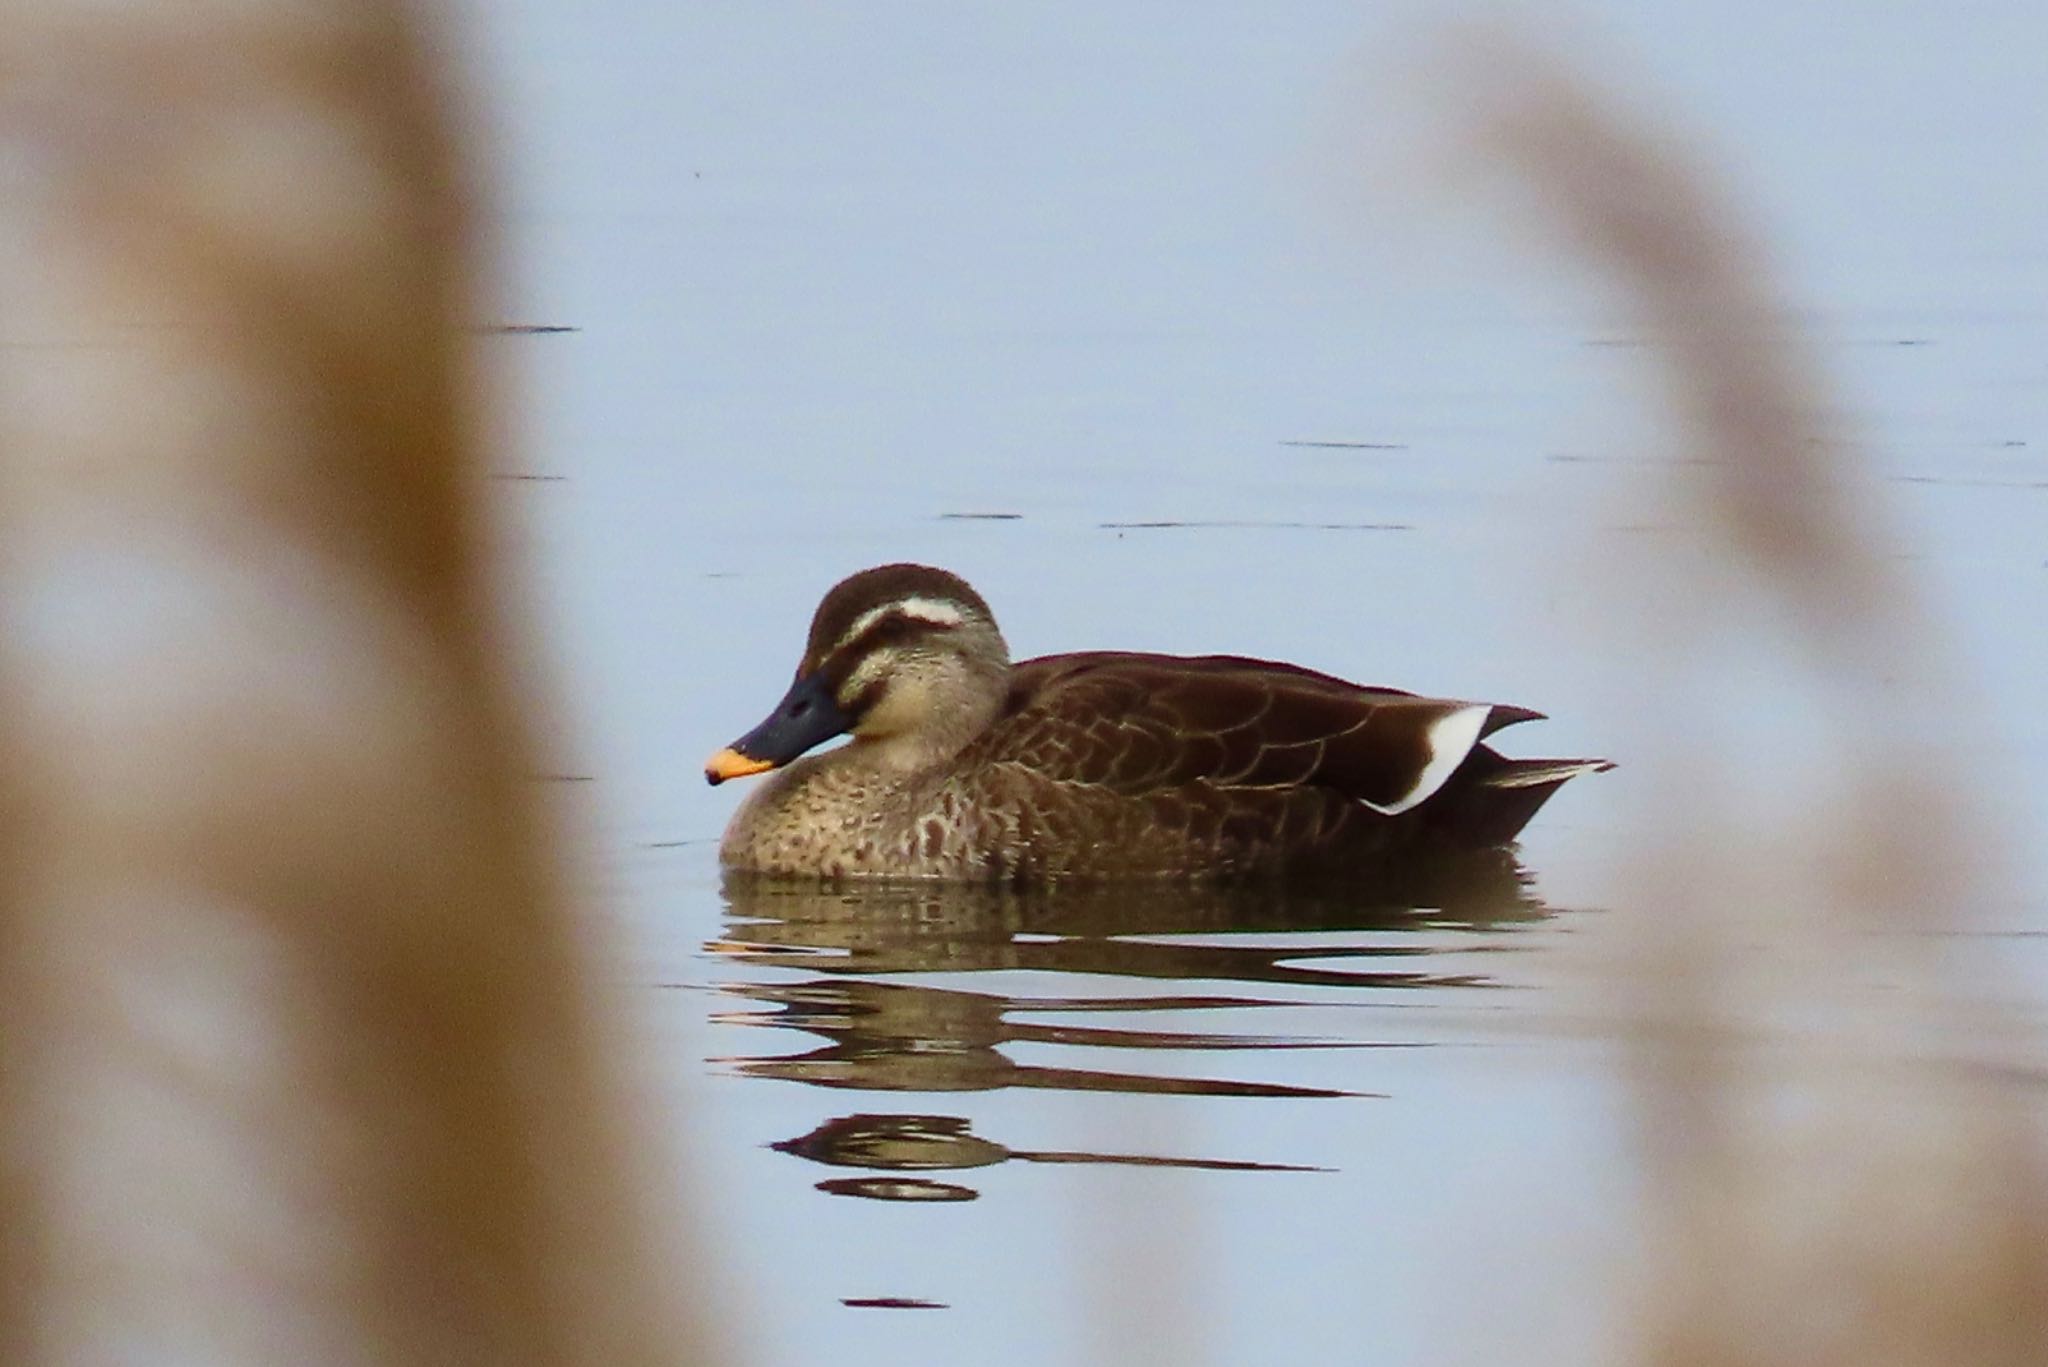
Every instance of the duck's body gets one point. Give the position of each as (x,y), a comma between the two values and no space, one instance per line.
(1101,765)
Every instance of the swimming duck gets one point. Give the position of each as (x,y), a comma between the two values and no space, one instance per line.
(1100,764)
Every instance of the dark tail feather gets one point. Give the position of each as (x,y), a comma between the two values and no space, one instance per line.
(1491,798)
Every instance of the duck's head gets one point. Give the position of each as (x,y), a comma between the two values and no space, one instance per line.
(906,656)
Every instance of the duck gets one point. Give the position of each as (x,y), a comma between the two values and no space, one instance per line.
(1100,765)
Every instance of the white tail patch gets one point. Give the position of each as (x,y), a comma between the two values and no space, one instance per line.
(937,611)
(1451,738)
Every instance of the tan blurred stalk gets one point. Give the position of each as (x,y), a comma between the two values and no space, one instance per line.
(301,1061)
(1844,1169)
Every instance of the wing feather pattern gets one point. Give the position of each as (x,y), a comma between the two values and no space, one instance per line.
(1137,725)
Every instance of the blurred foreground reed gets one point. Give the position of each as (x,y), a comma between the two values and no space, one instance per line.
(299,1057)
(1842,1138)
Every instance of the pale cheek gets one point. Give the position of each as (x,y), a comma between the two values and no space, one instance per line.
(902,708)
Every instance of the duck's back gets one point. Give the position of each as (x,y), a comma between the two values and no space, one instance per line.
(1118,764)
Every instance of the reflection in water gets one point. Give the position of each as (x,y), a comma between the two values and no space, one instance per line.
(905,1038)
(900,1036)
(896,1188)
(935,927)
(923,1143)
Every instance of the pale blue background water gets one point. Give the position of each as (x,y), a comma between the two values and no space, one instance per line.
(842,270)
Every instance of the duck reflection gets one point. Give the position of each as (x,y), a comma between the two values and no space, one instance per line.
(894,1037)
(942,927)
(1247,948)
(929,1143)
(897,1036)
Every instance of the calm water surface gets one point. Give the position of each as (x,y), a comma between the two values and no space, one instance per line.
(1089,304)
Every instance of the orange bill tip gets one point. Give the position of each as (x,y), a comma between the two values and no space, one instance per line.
(730,763)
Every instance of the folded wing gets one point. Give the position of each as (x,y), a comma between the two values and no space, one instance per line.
(1135,725)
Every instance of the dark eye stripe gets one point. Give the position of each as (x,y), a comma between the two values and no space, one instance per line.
(894,629)
(857,706)
(898,622)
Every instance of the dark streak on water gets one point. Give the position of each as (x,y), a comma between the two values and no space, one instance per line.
(1954,482)
(1280,526)
(528,329)
(891,1303)
(1589,458)
(1634,343)
(1352,445)
(981,517)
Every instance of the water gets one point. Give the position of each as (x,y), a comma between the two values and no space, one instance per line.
(1086,303)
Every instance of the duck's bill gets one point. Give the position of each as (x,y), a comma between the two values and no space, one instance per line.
(807,716)
(730,763)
